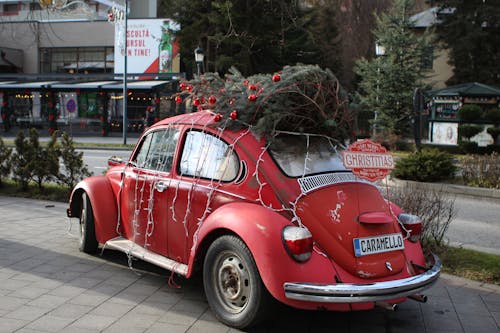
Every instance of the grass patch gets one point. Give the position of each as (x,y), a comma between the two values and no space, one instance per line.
(50,192)
(470,264)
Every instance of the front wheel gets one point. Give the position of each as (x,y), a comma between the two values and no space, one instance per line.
(233,285)
(88,241)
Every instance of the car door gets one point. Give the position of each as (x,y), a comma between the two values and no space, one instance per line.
(206,163)
(145,195)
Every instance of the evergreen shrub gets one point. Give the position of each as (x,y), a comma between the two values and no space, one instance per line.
(470,113)
(468,131)
(427,165)
(5,164)
(493,116)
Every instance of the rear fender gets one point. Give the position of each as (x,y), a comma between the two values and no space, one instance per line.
(261,230)
(103,200)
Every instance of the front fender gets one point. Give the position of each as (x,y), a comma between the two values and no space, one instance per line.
(103,201)
(261,230)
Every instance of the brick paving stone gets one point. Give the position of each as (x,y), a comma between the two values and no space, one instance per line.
(70,311)
(8,325)
(26,312)
(49,323)
(48,301)
(94,322)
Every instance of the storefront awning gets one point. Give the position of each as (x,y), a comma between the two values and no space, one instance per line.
(95,85)
(138,85)
(27,85)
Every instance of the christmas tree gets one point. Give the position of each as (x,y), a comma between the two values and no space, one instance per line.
(301,98)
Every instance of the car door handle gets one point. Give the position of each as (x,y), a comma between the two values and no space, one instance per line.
(161,186)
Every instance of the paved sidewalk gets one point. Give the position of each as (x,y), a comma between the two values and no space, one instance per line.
(47,285)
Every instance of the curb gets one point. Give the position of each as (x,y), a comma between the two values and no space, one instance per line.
(450,188)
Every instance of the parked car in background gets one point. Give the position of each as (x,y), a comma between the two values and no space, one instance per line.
(261,218)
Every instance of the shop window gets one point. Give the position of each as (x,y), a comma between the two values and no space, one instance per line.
(10,9)
(83,60)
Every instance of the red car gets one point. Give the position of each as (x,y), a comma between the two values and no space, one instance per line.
(261,218)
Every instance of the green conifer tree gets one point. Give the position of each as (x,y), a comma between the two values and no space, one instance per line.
(471,31)
(21,166)
(5,161)
(72,161)
(389,80)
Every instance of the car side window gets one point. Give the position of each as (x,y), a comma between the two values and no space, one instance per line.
(157,150)
(206,156)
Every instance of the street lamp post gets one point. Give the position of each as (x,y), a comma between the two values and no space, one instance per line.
(198,58)
(125,95)
(379,51)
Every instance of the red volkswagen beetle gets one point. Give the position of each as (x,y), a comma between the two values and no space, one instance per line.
(261,218)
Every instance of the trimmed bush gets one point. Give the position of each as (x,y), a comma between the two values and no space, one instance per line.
(493,116)
(5,164)
(470,113)
(427,165)
(468,131)
(494,132)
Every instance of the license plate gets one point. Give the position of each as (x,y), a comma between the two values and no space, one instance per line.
(379,244)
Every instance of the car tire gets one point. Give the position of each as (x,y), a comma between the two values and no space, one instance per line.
(88,241)
(233,285)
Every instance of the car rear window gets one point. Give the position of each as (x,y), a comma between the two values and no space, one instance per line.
(300,155)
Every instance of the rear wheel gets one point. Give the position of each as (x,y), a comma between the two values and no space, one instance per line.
(233,285)
(88,241)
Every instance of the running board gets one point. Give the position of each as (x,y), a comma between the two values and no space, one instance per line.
(130,248)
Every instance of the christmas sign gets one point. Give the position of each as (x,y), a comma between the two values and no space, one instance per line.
(368,160)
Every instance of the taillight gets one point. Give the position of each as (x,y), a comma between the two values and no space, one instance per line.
(298,242)
(411,225)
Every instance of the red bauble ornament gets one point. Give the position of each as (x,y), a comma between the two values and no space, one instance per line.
(200,108)
(252,97)
(252,87)
(196,102)
(212,100)
(231,102)
(178,99)
(189,88)
(218,117)
(183,86)
(276,78)
(261,90)
(245,83)
(202,100)
(222,90)
(234,115)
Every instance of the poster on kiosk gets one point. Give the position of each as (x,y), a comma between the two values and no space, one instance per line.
(151,46)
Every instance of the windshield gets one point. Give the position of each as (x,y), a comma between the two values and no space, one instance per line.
(302,154)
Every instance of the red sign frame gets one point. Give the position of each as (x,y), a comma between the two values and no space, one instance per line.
(368,160)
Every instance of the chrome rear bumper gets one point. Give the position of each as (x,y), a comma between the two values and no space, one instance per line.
(369,292)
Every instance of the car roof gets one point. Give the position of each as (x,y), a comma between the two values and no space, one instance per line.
(200,118)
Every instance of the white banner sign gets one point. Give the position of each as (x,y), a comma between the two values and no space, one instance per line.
(151,46)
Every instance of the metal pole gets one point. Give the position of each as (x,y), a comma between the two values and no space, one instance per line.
(124,125)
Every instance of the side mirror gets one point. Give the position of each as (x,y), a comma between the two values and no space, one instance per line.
(114,161)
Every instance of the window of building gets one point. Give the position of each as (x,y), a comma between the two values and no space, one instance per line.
(428,57)
(82,60)
(10,8)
